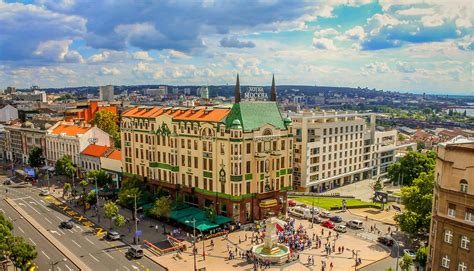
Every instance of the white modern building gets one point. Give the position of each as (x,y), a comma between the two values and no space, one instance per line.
(69,139)
(8,113)
(337,148)
(106,93)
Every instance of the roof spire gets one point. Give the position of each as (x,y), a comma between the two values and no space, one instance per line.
(273,95)
(237,90)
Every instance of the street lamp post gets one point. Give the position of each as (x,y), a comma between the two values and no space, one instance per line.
(194,239)
(97,199)
(312,215)
(398,251)
(136,218)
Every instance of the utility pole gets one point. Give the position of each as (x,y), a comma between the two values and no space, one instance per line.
(135,238)
(97,199)
(312,215)
(194,240)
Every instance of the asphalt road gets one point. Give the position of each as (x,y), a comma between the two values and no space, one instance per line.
(48,255)
(96,253)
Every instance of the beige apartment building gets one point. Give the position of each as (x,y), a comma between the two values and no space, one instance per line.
(235,159)
(452,223)
(20,138)
(335,148)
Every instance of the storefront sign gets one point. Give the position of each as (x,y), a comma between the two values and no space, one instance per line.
(255,94)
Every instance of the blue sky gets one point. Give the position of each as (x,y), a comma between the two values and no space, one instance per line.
(402,45)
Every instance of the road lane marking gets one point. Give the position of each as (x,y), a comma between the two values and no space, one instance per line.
(68,267)
(9,217)
(106,253)
(59,269)
(134,267)
(42,201)
(61,231)
(21,204)
(55,232)
(45,255)
(34,203)
(75,243)
(21,229)
(48,220)
(126,268)
(58,217)
(97,260)
(88,240)
(32,241)
(1,210)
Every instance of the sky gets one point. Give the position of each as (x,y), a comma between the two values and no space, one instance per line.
(400,45)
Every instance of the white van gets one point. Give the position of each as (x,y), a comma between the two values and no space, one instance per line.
(355,224)
(300,212)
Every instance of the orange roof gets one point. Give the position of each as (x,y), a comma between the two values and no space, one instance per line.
(95,150)
(70,130)
(116,155)
(191,114)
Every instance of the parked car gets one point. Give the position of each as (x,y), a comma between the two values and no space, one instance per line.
(325,214)
(112,235)
(328,224)
(291,203)
(355,224)
(135,252)
(300,212)
(316,219)
(66,225)
(410,253)
(336,219)
(340,228)
(388,241)
(44,193)
(7,182)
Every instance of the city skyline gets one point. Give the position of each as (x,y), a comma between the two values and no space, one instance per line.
(405,46)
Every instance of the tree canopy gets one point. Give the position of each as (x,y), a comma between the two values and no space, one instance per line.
(103,179)
(162,207)
(417,200)
(15,248)
(411,166)
(64,166)
(108,122)
(35,158)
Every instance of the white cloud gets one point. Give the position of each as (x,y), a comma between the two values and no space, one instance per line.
(377,67)
(323,44)
(58,51)
(142,55)
(405,67)
(416,11)
(356,33)
(178,55)
(108,71)
(109,56)
(432,21)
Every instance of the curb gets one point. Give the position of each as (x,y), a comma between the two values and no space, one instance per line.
(68,254)
(368,265)
(146,253)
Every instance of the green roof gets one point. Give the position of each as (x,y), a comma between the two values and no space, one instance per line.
(186,215)
(253,115)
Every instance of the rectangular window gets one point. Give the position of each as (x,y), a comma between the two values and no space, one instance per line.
(469,215)
(451,210)
(465,242)
(445,261)
(462,266)
(448,236)
(195,162)
(248,167)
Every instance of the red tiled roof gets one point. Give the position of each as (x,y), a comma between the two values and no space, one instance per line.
(70,130)
(116,155)
(192,114)
(95,150)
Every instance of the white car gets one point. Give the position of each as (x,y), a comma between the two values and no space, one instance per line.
(340,228)
(355,224)
(325,214)
(44,193)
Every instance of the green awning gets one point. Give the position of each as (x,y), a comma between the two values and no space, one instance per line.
(186,215)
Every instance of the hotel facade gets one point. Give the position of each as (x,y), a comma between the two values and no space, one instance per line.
(235,159)
(335,148)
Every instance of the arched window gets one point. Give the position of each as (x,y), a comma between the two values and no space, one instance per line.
(267,132)
(463,186)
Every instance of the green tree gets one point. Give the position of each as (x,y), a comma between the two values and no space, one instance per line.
(103,179)
(126,196)
(162,207)
(65,166)
(377,185)
(22,253)
(417,200)
(406,263)
(119,221)
(111,210)
(422,256)
(211,214)
(66,189)
(420,145)
(84,183)
(91,198)
(411,166)
(35,158)
(108,122)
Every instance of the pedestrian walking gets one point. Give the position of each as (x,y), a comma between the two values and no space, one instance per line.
(156,228)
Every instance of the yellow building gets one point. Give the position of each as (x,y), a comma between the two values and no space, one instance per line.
(234,159)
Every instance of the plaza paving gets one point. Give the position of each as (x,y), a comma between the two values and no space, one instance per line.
(217,257)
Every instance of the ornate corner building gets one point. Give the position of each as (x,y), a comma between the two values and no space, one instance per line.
(452,224)
(235,159)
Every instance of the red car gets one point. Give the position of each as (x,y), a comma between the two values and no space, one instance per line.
(327,224)
(291,203)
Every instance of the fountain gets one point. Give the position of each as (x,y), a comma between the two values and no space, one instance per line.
(271,250)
